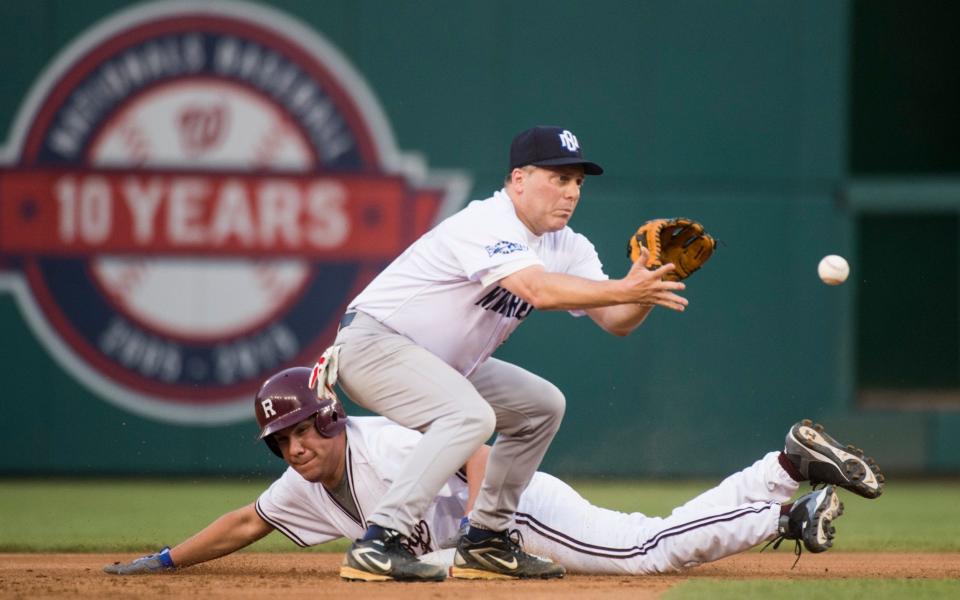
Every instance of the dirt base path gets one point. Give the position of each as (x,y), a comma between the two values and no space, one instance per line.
(304,575)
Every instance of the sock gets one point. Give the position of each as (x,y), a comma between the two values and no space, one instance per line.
(374,532)
(477,534)
(790,468)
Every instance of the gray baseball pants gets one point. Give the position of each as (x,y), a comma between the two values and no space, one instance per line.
(389,374)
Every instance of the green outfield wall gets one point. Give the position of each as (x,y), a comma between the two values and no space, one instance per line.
(734,113)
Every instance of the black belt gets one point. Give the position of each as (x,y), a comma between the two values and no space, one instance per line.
(346,319)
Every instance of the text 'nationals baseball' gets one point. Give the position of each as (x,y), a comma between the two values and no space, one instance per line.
(190,196)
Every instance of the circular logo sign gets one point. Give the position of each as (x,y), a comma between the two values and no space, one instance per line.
(190,198)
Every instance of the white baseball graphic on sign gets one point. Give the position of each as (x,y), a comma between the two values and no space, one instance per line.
(206,125)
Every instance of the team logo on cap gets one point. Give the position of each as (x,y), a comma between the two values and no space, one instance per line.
(191,195)
(569,141)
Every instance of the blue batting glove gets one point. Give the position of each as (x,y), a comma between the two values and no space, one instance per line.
(151,563)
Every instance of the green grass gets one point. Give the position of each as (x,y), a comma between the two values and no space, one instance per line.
(848,589)
(118,515)
(135,515)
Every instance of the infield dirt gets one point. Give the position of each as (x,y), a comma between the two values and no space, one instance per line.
(311,575)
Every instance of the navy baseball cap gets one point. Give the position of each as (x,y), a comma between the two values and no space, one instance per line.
(549,147)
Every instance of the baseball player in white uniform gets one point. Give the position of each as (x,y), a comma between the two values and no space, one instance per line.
(416,347)
(340,467)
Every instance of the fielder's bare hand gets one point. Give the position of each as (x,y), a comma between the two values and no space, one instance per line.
(648,287)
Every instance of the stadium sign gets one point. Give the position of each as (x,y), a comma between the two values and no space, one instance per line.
(189,197)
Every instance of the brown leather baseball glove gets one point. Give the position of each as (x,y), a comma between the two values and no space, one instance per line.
(680,241)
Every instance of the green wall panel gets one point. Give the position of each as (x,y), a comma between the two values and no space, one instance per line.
(732,113)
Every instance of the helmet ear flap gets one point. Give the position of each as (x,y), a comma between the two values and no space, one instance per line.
(331,420)
(273,445)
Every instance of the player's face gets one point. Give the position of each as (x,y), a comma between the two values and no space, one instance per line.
(549,197)
(315,457)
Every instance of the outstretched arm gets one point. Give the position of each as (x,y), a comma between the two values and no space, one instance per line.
(621,319)
(618,305)
(558,291)
(231,532)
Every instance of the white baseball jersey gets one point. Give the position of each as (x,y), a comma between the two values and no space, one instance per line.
(447,281)
(554,520)
(376,448)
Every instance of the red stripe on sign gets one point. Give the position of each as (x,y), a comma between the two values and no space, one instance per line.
(81,212)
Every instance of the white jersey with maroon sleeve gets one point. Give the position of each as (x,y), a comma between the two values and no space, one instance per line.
(447,281)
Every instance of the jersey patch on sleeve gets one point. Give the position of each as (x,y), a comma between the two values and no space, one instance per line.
(504,247)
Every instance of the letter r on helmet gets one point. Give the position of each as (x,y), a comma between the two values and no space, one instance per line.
(267,405)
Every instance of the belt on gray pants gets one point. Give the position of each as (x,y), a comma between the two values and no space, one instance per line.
(346,319)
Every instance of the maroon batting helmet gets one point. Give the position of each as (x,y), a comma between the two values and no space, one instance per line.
(286,399)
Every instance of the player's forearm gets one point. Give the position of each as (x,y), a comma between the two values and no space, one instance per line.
(559,291)
(622,319)
(476,467)
(229,533)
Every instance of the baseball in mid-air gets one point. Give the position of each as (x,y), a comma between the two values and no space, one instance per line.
(833,269)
